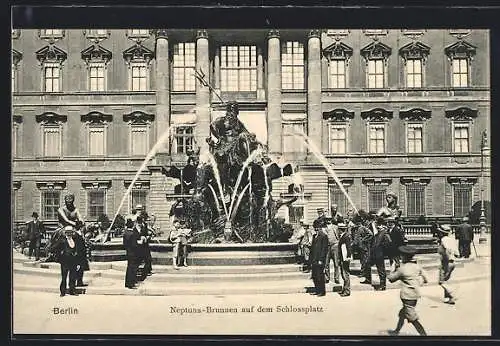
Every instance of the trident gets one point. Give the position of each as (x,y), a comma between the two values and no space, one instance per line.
(200,76)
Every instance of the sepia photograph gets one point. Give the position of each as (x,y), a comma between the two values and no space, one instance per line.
(259,181)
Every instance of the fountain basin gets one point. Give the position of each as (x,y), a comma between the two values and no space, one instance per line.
(206,254)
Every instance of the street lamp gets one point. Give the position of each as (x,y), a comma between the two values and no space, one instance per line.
(482,217)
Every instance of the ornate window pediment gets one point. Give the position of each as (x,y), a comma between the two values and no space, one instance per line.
(96,184)
(51,53)
(415,50)
(96,52)
(51,185)
(16,57)
(462,180)
(460,49)
(139,184)
(51,118)
(338,115)
(338,50)
(377,115)
(415,114)
(376,50)
(138,52)
(412,180)
(96,117)
(461,114)
(138,117)
(377,181)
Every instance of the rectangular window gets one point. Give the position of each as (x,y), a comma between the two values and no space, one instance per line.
(138,197)
(139,140)
(139,77)
(338,139)
(52,141)
(337,77)
(183,139)
(376,197)
(415,135)
(292,65)
(52,77)
(96,203)
(377,138)
(461,138)
(462,200)
(238,68)
(97,141)
(51,200)
(97,77)
(460,74)
(415,199)
(375,73)
(337,197)
(414,73)
(291,144)
(184,64)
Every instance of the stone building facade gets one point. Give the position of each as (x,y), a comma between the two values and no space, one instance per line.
(399,110)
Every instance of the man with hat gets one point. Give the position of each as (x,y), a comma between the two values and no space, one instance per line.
(36,232)
(320,221)
(447,251)
(409,273)
(380,245)
(131,241)
(397,235)
(335,215)
(333,234)
(68,257)
(465,235)
(319,250)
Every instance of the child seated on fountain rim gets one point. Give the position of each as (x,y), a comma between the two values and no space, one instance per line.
(179,236)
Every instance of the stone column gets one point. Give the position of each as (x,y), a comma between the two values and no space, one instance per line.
(260,74)
(162,92)
(274,93)
(202,92)
(314,117)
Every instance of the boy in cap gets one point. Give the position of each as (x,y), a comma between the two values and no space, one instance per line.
(409,273)
(447,251)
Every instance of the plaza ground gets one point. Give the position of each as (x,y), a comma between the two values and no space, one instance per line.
(363,313)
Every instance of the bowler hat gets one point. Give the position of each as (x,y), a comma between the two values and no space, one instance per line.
(320,209)
(35,214)
(407,250)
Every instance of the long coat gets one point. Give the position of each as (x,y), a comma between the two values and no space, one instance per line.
(464,233)
(319,248)
(35,230)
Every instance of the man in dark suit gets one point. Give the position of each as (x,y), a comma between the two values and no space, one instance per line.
(465,236)
(35,235)
(320,222)
(319,250)
(132,241)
